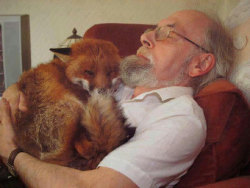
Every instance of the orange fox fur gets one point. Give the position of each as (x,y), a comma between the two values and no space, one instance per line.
(65,124)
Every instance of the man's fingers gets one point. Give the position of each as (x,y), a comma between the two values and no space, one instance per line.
(16,100)
(5,117)
(12,94)
(4,106)
(22,103)
(7,134)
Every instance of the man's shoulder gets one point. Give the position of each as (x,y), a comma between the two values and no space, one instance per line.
(184,104)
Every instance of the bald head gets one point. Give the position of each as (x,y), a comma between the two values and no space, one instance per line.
(180,49)
(192,23)
(213,36)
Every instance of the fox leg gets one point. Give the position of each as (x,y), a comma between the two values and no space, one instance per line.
(103,128)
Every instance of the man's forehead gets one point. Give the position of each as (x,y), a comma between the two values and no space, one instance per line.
(181,19)
(171,22)
(167,21)
(189,23)
(187,18)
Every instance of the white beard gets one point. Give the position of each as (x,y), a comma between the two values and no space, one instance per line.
(136,71)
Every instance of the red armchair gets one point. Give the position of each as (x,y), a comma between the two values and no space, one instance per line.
(226,152)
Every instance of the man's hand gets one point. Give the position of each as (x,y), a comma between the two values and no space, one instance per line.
(7,135)
(16,100)
(12,100)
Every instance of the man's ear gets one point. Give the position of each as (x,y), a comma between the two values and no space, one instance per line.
(201,65)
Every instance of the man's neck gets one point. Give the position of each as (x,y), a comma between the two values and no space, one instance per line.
(139,90)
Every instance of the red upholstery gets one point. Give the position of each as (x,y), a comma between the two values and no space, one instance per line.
(228,126)
(125,36)
(227,142)
(239,182)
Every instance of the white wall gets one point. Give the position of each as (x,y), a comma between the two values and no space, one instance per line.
(51,21)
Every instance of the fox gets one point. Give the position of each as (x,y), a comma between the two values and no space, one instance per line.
(72,118)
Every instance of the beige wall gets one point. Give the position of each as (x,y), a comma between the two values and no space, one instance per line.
(51,21)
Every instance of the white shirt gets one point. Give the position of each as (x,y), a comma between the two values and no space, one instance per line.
(170,132)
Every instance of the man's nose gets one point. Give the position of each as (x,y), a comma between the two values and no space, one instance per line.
(147,39)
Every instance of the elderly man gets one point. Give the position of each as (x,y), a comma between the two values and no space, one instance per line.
(183,53)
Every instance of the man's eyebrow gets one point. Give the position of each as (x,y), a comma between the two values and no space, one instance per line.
(171,25)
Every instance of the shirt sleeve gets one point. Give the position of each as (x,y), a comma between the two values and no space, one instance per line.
(161,151)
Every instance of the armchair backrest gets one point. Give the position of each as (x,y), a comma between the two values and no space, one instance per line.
(227,114)
(226,151)
(125,36)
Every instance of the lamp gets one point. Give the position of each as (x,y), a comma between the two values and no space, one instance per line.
(64,47)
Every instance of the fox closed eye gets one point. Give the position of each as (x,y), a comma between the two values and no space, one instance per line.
(89,73)
(110,73)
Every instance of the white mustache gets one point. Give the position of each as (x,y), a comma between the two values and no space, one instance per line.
(144,52)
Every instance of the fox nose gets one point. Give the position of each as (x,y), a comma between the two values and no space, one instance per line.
(102,90)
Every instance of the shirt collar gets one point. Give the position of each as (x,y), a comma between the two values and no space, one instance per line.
(167,93)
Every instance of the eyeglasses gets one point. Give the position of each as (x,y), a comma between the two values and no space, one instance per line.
(163,32)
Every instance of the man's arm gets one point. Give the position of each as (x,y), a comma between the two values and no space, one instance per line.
(36,173)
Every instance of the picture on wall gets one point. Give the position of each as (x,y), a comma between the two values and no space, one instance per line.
(14,48)
(1,65)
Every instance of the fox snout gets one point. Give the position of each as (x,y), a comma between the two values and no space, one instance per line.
(102,87)
(102,90)
(100,81)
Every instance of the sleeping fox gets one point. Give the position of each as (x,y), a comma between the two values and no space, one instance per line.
(72,119)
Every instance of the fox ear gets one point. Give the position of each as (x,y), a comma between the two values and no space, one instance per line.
(62,53)
(63,57)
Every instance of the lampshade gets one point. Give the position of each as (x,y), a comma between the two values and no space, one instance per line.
(64,47)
